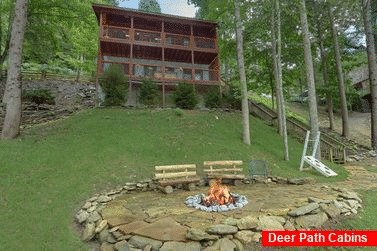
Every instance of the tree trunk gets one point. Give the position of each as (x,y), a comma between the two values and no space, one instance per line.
(325,71)
(276,58)
(313,113)
(12,95)
(241,66)
(372,68)
(339,73)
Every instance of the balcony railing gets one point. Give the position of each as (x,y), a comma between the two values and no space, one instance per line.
(156,37)
(177,40)
(206,43)
(159,72)
(116,32)
(145,36)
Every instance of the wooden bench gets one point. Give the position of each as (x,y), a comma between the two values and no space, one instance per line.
(225,169)
(168,176)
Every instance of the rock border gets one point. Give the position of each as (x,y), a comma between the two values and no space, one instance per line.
(232,234)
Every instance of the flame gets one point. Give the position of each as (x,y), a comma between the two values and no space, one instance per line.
(218,194)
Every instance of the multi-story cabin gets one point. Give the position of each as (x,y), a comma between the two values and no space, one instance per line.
(168,48)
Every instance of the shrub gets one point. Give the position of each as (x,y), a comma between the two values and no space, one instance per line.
(185,97)
(178,112)
(115,85)
(148,91)
(40,96)
(212,100)
(233,99)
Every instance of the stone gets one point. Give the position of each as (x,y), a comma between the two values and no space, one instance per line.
(350,196)
(104,199)
(224,245)
(248,222)
(89,232)
(107,247)
(344,208)
(117,234)
(117,215)
(245,236)
(331,210)
(222,229)
(114,229)
(94,217)
(94,198)
(130,187)
(181,246)
(354,211)
(311,221)
(373,153)
(91,209)
(101,226)
(300,181)
(82,216)
(190,186)
(239,246)
(289,226)
(104,235)
(87,205)
(231,221)
(303,210)
(148,248)
(352,203)
(111,239)
(122,246)
(132,227)
(165,229)
(269,223)
(141,242)
(199,235)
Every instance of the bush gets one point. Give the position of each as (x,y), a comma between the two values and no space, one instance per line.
(178,112)
(233,99)
(40,96)
(148,91)
(115,85)
(185,97)
(212,100)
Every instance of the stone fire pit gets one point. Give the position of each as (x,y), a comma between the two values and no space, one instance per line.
(195,202)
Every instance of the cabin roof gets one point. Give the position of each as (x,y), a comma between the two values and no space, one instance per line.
(167,17)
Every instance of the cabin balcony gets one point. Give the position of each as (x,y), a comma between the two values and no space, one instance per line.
(154,38)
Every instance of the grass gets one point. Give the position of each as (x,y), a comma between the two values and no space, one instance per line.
(47,173)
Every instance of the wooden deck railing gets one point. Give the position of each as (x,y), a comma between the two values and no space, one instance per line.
(154,37)
(331,149)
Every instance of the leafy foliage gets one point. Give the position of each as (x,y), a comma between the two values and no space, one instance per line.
(148,91)
(149,6)
(212,99)
(40,96)
(232,99)
(115,85)
(185,96)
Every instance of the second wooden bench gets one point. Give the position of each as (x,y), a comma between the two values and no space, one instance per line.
(225,169)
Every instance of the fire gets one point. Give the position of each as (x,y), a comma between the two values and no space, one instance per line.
(218,194)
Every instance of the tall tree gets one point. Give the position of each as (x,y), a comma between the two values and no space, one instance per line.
(241,66)
(12,95)
(150,6)
(325,70)
(276,58)
(372,68)
(313,112)
(339,74)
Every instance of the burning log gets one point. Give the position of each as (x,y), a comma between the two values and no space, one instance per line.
(218,195)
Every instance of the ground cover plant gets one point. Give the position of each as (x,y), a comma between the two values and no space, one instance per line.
(47,173)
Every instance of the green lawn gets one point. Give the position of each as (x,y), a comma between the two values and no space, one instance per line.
(47,173)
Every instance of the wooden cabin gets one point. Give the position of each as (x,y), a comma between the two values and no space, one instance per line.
(168,48)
